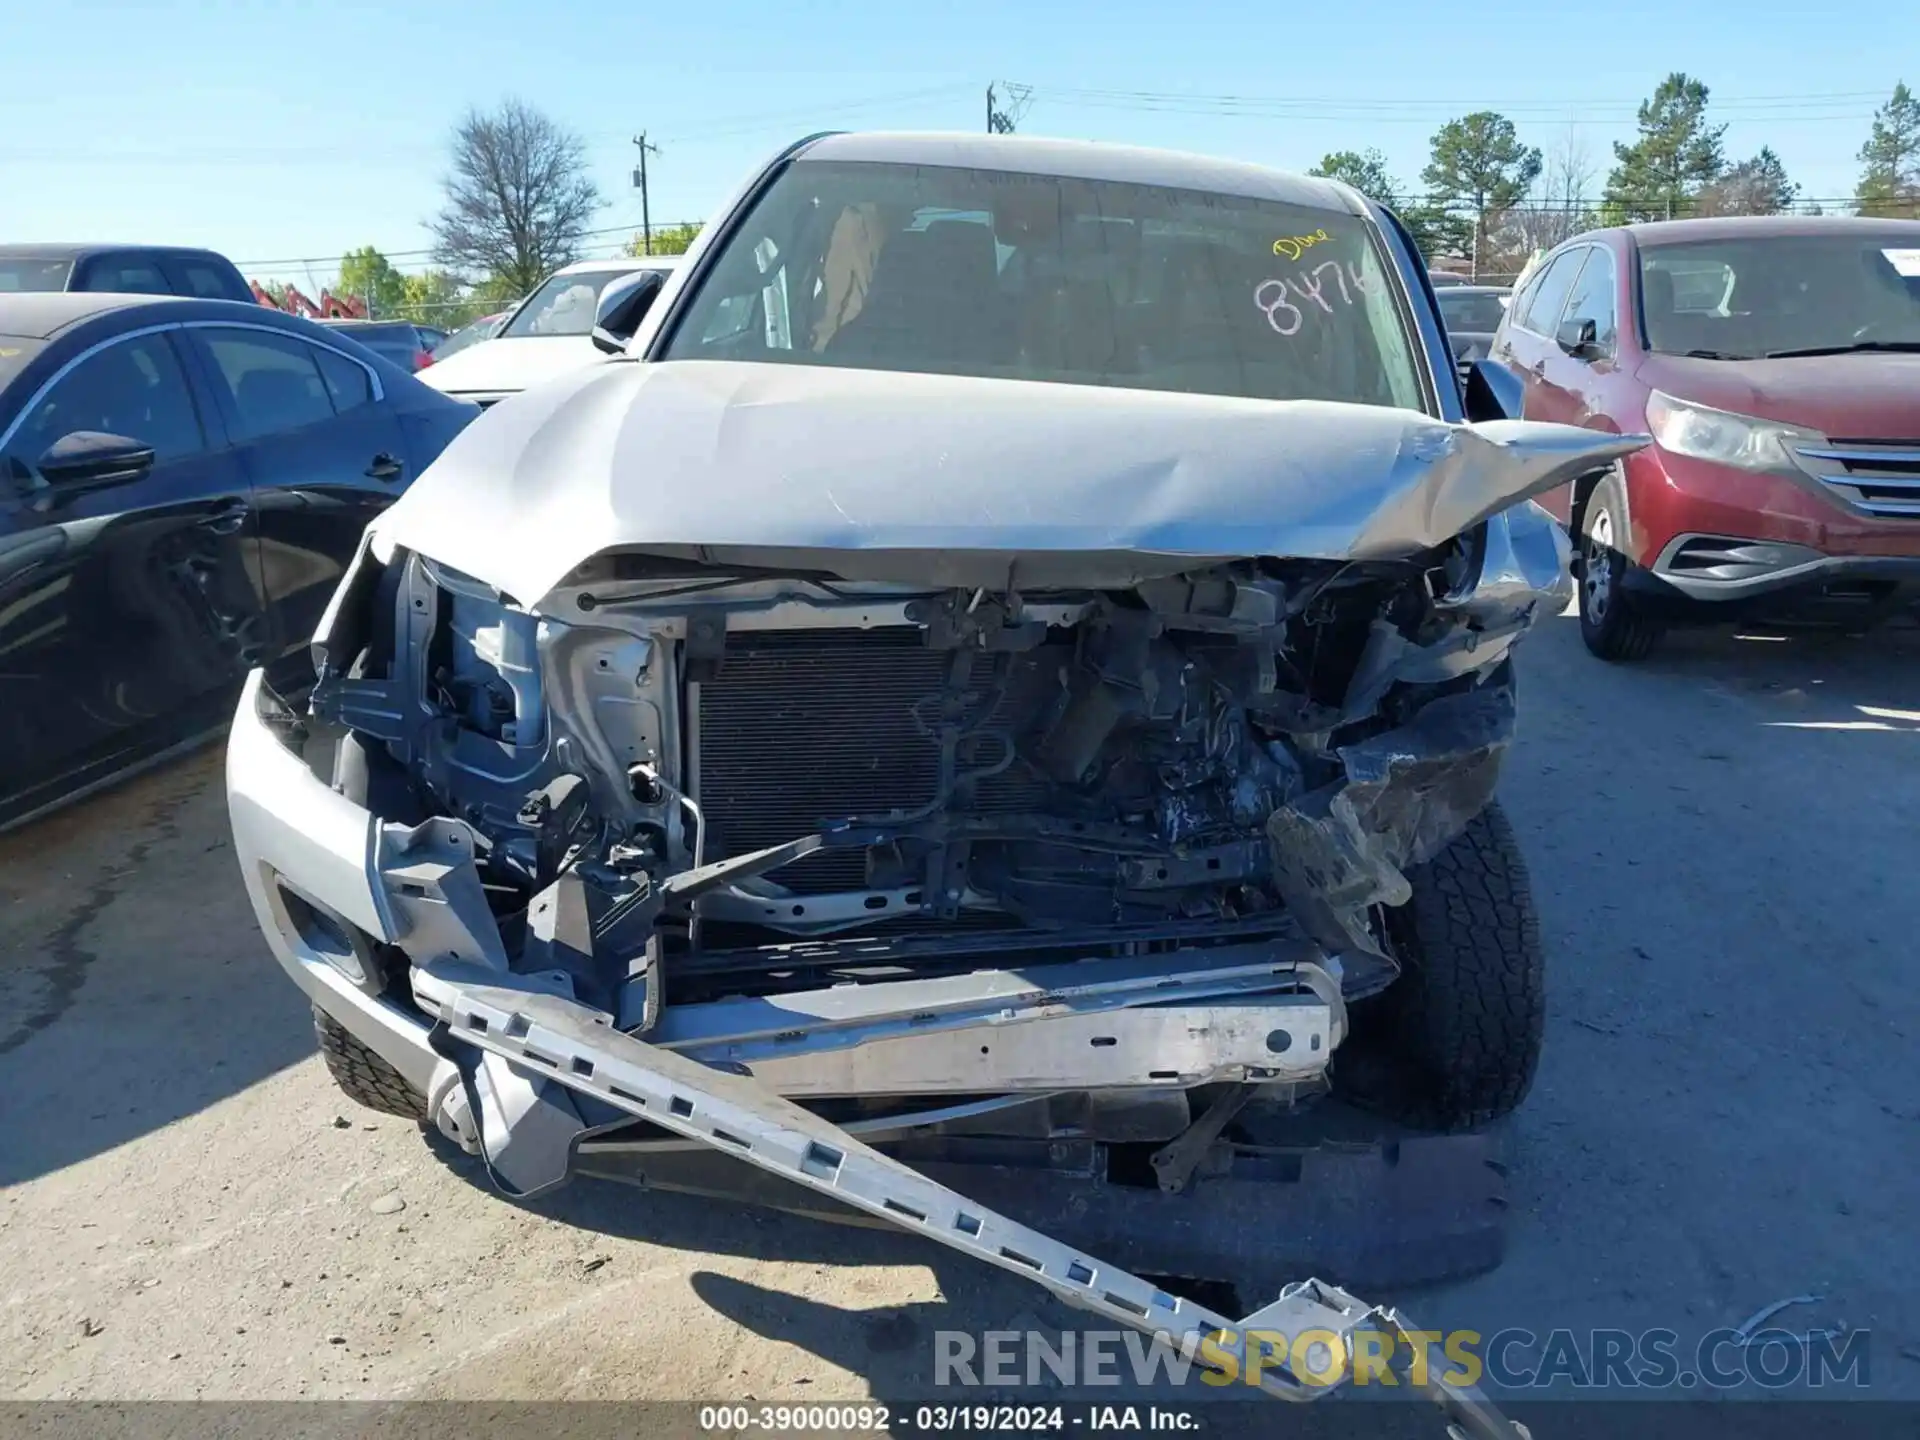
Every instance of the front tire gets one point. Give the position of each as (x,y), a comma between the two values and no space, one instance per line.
(1454,1042)
(1613,621)
(363,1075)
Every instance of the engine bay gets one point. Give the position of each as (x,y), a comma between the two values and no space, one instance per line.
(763,780)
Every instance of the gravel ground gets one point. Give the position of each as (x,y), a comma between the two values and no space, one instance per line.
(1724,842)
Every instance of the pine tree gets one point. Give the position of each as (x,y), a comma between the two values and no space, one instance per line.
(1890,160)
(1677,155)
(1365,171)
(1478,170)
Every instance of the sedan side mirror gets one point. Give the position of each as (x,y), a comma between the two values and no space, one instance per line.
(1494,392)
(623,305)
(88,459)
(1579,338)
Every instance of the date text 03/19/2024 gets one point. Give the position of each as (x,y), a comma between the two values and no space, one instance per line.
(740,1420)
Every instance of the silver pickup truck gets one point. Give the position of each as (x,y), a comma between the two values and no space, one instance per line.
(1019,643)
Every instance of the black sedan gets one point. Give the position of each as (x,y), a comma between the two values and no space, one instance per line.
(1471,314)
(181,485)
(406,344)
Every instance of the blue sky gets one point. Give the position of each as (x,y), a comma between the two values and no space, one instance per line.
(279,132)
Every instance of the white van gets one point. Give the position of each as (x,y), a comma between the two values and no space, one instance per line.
(548,334)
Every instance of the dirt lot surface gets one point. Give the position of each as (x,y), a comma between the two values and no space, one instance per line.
(1724,844)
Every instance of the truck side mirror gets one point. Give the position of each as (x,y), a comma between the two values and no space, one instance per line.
(1494,392)
(623,305)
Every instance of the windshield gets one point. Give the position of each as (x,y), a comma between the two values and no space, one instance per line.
(957,271)
(1760,295)
(465,336)
(19,273)
(565,305)
(1474,313)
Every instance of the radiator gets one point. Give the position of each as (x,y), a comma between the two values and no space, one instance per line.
(804,726)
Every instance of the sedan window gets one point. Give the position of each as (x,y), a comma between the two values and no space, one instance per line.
(274,380)
(133,387)
(1549,293)
(1593,298)
(348,384)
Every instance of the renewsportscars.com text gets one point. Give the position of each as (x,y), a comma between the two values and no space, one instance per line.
(1512,1359)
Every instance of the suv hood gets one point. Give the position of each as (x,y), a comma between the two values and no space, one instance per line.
(504,367)
(1856,397)
(949,481)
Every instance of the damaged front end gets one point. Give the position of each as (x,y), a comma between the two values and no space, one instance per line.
(797,865)
(821,869)
(861,840)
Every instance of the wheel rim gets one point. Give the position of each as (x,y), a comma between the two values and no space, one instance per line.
(1596,570)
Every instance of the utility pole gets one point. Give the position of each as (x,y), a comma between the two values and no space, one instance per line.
(1002,122)
(640,184)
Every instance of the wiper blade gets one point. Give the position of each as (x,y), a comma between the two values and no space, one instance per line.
(1715,355)
(1888,347)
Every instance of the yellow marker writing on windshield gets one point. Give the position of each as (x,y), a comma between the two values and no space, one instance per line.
(1294,246)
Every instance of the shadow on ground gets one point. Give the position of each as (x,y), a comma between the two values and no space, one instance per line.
(1724,880)
(1815,680)
(134,986)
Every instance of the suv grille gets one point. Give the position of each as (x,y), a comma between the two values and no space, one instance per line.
(1881,477)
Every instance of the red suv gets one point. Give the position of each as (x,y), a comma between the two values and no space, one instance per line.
(1776,363)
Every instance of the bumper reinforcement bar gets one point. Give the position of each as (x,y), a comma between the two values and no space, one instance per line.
(575,1046)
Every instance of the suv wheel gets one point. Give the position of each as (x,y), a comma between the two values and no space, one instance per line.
(1613,622)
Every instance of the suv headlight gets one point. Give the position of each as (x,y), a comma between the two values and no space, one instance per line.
(1720,435)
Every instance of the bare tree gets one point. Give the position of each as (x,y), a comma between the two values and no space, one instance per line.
(1567,181)
(1557,208)
(1753,187)
(518,199)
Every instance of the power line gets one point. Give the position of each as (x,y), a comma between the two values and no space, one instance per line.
(1811,108)
(756,124)
(426,252)
(279,156)
(1320,103)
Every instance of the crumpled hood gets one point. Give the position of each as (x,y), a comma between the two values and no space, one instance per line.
(948,480)
(509,366)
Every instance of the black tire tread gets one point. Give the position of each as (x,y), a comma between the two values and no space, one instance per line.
(363,1075)
(1455,1041)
